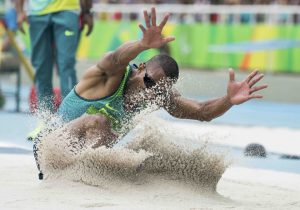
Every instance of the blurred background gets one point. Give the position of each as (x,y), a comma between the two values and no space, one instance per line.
(211,36)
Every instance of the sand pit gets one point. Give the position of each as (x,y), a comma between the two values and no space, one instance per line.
(148,171)
(239,188)
(149,153)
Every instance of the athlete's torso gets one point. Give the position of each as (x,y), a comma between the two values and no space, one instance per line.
(74,106)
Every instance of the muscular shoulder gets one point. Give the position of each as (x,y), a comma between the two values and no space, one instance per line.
(106,68)
(171,99)
(96,83)
(179,106)
(103,78)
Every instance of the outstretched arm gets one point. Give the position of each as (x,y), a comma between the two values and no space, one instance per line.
(204,111)
(110,70)
(237,93)
(117,60)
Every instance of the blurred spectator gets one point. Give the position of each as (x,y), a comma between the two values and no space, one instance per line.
(9,59)
(54,34)
(214,18)
(183,16)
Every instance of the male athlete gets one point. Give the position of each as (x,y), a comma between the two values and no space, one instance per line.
(109,91)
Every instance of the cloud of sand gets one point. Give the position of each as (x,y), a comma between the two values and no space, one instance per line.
(150,151)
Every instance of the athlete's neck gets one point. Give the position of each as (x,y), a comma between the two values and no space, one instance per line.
(133,87)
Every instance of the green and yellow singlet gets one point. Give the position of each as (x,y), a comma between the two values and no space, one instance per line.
(112,107)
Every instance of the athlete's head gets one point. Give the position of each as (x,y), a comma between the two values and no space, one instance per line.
(160,67)
(168,65)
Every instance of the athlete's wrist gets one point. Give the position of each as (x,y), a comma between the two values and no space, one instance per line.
(227,101)
(142,45)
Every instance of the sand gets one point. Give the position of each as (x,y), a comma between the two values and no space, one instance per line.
(239,188)
(112,179)
(147,171)
(279,140)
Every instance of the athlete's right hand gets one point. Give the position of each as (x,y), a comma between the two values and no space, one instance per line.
(21,18)
(152,34)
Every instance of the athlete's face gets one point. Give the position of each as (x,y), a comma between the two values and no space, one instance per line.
(154,75)
(156,84)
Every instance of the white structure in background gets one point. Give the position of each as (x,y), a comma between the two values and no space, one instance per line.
(272,13)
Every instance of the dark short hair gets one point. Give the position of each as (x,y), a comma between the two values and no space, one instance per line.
(168,64)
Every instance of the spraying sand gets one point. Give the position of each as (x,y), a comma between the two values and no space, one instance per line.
(239,188)
(151,168)
(147,155)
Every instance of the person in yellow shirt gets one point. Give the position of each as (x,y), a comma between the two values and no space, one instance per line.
(54,27)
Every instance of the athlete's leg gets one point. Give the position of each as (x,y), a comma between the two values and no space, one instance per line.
(95,128)
(66,35)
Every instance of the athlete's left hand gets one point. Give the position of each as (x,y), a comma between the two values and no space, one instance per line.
(240,92)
